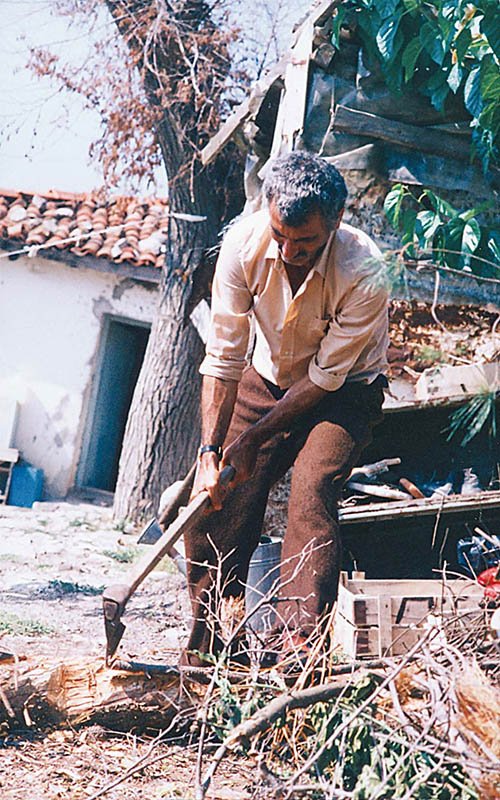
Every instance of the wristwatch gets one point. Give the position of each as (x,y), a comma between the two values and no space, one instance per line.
(210,448)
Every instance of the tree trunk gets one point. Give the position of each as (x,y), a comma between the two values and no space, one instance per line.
(162,432)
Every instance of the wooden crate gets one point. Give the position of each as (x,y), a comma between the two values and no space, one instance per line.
(387,617)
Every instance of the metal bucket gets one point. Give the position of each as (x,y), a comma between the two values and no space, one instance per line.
(262,581)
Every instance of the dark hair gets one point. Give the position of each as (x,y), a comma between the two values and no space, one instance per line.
(301,183)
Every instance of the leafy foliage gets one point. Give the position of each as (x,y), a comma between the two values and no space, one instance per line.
(447,50)
(469,419)
(369,759)
(433,228)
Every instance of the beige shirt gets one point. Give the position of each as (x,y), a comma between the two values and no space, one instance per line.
(334,329)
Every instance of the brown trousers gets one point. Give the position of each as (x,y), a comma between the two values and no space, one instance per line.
(323,445)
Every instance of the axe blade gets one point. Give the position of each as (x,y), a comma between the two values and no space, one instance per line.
(151,533)
(113,603)
(114,633)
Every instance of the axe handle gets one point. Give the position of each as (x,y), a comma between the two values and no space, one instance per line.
(181,498)
(184,522)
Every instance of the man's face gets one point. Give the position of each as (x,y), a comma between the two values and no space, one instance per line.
(299,246)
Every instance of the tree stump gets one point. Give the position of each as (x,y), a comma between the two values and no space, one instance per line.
(77,693)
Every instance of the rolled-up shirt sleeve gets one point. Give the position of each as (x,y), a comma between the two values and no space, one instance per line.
(358,333)
(231,311)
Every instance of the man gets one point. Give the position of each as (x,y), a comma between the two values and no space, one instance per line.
(309,396)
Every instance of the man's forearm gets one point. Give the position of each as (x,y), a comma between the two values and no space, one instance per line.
(217,404)
(300,397)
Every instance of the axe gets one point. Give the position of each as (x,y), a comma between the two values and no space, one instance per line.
(115,598)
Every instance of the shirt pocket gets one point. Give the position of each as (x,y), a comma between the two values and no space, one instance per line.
(315,330)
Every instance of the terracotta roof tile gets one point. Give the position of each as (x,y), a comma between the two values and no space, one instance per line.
(121,229)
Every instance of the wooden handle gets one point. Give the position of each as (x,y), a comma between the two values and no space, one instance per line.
(180,498)
(185,521)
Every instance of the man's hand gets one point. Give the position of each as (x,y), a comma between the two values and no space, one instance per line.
(242,456)
(207,479)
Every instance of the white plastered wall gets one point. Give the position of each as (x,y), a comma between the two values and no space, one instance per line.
(50,323)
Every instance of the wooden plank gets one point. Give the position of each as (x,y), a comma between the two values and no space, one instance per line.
(423,139)
(291,113)
(366,157)
(248,108)
(365,642)
(454,504)
(66,256)
(425,169)
(226,132)
(385,630)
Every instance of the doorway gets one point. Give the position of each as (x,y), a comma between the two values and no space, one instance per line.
(123,344)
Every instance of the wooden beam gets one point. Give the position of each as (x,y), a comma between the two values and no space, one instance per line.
(423,139)
(247,109)
(441,172)
(291,113)
(316,16)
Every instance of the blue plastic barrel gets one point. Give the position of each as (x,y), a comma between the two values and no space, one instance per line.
(26,486)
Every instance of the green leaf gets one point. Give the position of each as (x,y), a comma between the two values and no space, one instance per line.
(494,247)
(386,8)
(471,236)
(410,56)
(392,204)
(426,225)
(473,212)
(489,118)
(438,89)
(490,26)
(407,225)
(432,42)
(490,79)
(385,38)
(446,23)
(454,78)
(338,19)
(412,5)
(439,205)
(462,43)
(472,93)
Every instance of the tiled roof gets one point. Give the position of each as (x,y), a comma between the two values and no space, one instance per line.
(124,230)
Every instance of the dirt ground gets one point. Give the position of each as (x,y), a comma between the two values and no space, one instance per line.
(54,561)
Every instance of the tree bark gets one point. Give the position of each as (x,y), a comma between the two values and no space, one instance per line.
(162,431)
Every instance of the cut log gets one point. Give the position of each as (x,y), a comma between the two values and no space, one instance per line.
(423,139)
(86,692)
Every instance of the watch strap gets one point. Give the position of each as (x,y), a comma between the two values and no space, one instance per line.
(210,448)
